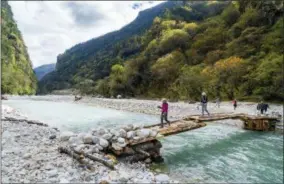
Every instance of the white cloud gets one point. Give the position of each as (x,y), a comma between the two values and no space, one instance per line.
(51,27)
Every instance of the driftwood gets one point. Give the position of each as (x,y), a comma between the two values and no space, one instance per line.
(75,156)
(94,158)
(24,120)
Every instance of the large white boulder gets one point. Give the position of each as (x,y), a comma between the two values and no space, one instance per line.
(130,134)
(107,136)
(95,139)
(122,133)
(143,133)
(88,139)
(65,136)
(104,143)
(121,140)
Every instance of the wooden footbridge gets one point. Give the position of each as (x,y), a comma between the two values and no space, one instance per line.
(150,147)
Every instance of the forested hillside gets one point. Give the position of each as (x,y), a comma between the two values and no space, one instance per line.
(17,75)
(42,70)
(228,49)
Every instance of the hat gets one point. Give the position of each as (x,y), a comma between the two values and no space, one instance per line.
(203,94)
(164,100)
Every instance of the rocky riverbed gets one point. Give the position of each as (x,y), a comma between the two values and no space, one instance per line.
(30,155)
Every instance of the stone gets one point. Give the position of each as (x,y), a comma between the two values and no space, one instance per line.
(95,139)
(75,140)
(122,133)
(116,146)
(148,161)
(102,131)
(114,138)
(136,138)
(130,134)
(88,139)
(52,137)
(103,143)
(100,148)
(162,178)
(107,136)
(143,133)
(52,173)
(121,140)
(135,127)
(65,136)
(27,156)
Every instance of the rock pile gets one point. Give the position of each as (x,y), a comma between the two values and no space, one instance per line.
(103,140)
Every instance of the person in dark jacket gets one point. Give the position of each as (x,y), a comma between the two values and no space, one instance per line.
(262,107)
(204,101)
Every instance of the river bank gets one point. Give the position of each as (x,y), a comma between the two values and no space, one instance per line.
(29,155)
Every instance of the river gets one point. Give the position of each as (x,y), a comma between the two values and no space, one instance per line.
(215,153)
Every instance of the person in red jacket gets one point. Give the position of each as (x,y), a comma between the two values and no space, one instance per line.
(235,104)
(164,112)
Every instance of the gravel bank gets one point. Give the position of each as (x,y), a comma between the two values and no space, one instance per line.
(29,156)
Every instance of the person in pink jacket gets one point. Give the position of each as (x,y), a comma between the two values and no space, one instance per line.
(164,112)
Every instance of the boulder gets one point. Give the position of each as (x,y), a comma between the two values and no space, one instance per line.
(75,140)
(102,131)
(80,147)
(121,140)
(128,127)
(116,146)
(122,133)
(130,134)
(88,139)
(143,133)
(95,139)
(136,138)
(81,135)
(162,178)
(103,143)
(65,136)
(107,136)
(100,148)
(52,137)
(114,138)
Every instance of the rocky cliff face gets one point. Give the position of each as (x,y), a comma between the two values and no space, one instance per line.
(17,75)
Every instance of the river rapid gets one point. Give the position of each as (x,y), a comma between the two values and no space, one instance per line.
(219,152)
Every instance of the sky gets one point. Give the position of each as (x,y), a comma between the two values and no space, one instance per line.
(51,27)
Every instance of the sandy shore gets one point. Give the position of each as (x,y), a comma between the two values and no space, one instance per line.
(30,156)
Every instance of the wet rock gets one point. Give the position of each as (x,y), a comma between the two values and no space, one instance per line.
(88,139)
(65,136)
(162,178)
(122,133)
(107,136)
(104,143)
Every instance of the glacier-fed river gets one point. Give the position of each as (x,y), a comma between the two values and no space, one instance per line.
(215,153)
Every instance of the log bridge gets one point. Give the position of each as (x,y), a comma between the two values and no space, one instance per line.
(149,148)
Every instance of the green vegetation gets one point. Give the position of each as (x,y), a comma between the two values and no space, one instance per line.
(228,49)
(17,74)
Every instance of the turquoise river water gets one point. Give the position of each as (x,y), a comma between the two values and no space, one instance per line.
(217,153)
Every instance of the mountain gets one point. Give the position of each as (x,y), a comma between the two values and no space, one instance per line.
(230,49)
(17,74)
(43,70)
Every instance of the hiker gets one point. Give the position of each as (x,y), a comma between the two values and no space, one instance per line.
(164,112)
(218,102)
(235,104)
(204,101)
(262,107)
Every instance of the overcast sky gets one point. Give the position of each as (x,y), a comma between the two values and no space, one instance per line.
(51,27)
